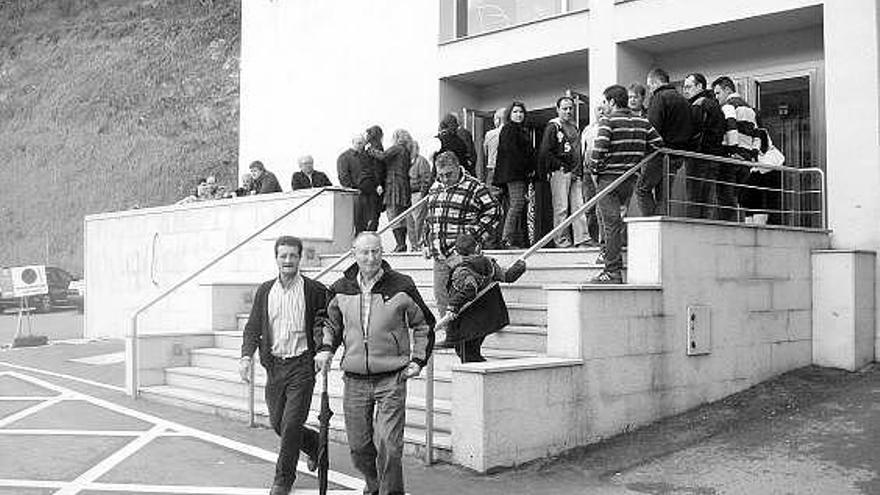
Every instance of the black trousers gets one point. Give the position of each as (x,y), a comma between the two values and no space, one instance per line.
(366,212)
(289,386)
(469,351)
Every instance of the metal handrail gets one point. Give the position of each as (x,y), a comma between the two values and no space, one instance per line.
(746,163)
(641,164)
(134,381)
(391,223)
(587,205)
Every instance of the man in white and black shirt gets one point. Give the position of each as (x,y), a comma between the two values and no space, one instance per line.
(288,312)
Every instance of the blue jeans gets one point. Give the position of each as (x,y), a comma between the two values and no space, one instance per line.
(375,413)
(567,193)
(441,276)
(609,211)
(289,386)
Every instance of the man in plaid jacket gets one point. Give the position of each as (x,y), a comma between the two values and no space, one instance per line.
(459,204)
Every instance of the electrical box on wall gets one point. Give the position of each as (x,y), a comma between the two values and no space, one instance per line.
(699,330)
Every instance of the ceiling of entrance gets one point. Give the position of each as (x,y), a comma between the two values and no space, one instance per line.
(728,31)
(565,62)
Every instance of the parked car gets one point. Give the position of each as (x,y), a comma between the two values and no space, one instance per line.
(60,296)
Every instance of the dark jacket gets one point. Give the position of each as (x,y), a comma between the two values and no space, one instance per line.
(397,163)
(258,334)
(709,124)
(516,155)
(468,140)
(560,149)
(450,141)
(374,170)
(267,183)
(670,114)
(486,315)
(301,181)
(383,345)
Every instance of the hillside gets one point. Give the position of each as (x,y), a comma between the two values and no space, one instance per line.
(107,105)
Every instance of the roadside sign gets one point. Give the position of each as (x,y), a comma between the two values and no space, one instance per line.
(29,280)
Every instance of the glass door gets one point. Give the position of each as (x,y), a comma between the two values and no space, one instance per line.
(478,123)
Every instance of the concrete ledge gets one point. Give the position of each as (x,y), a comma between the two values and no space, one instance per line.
(593,287)
(519,364)
(720,223)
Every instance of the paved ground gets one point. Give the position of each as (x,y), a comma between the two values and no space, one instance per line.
(813,431)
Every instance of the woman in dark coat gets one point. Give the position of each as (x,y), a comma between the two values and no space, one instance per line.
(397,197)
(449,141)
(514,167)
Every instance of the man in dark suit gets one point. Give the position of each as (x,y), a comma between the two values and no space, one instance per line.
(287,316)
(308,177)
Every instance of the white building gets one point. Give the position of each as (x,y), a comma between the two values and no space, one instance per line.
(314,73)
(709,308)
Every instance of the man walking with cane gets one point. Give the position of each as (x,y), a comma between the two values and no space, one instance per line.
(287,317)
(372,312)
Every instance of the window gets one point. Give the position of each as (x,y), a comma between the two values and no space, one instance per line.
(461,18)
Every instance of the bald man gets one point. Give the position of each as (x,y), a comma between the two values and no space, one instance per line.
(308,177)
(372,312)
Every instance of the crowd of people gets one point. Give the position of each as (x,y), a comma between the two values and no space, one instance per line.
(377,314)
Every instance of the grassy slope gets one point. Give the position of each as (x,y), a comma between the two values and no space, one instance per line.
(107,104)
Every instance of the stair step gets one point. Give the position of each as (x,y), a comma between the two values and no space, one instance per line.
(229,383)
(513,293)
(544,257)
(561,274)
(227,359)
(236,408)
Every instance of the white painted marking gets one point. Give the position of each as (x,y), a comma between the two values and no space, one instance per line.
(164,427)
(75,433)
(110,462)
(31,484)
(12,418)
(66,377)
(22,398)
(102,359)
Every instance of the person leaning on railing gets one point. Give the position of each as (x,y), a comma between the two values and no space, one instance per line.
(623,140)
(458,203)
(740,142)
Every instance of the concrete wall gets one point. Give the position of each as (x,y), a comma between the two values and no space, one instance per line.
(135,255)
(633,340)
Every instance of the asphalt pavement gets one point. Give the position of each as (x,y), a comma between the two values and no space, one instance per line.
(811,431)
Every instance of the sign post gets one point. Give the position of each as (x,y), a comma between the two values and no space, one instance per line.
(27,281)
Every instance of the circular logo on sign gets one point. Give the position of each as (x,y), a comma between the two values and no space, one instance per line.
(29,276)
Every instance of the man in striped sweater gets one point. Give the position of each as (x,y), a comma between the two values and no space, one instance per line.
(740,141)
(622,141)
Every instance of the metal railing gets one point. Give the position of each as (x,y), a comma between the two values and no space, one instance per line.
(134,378)
(773,194)
(812,211)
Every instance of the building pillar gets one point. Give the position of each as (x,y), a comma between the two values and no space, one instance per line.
(852,109)
(603,51)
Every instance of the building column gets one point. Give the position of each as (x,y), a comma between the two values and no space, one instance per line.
(852,109)
(603,50)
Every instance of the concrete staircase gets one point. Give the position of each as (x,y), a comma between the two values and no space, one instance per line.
(211,383)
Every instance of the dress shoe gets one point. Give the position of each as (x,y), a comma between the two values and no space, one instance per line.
(312,462)
(279,490)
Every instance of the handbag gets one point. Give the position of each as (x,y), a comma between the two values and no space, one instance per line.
(772,157)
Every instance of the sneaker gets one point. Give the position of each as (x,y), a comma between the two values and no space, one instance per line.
(312,462)
(600,260)
(608,278)
(587,244)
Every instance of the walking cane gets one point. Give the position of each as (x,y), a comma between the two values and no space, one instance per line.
(324,433)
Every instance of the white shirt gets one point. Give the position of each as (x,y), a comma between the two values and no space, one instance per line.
(287,308)
(366,286)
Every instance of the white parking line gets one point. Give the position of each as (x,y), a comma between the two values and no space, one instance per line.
(66,377)
(161,427)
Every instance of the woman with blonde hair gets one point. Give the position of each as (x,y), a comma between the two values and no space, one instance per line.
(397,197)
(420,179)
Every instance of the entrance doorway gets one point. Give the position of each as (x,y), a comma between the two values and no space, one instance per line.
(784,110)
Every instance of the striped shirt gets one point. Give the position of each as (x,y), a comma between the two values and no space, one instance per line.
(287,318)
(741,134)
(622,140)
(465,207)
